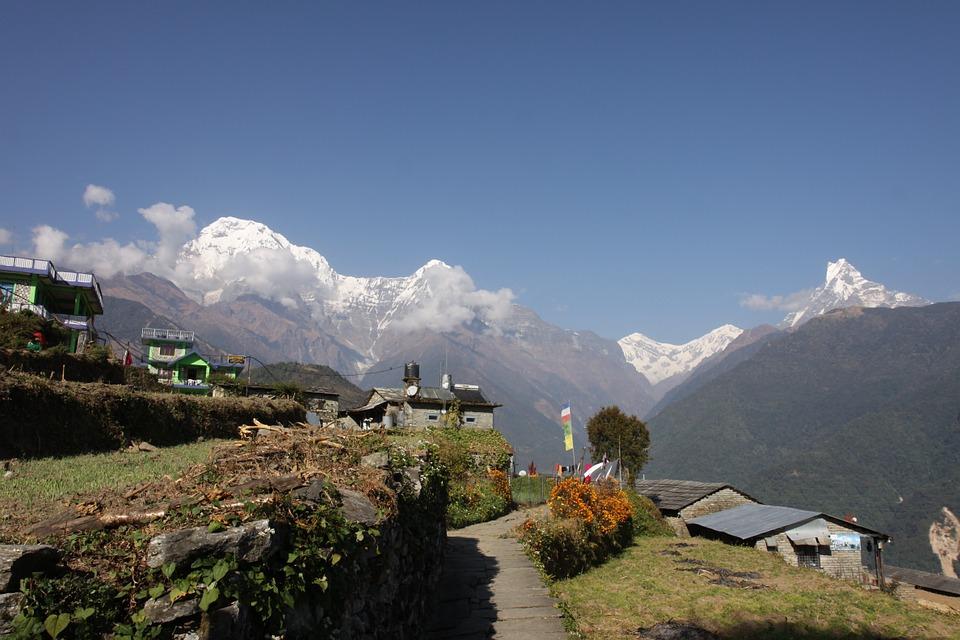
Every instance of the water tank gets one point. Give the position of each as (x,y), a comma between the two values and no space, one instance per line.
(446,381)
(411,371)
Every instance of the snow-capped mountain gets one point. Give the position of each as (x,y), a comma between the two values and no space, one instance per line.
(661,362)
(232,257)
(844,286)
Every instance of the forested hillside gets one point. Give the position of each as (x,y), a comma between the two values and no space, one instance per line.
(857,412)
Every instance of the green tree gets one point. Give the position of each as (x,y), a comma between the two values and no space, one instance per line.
(454,415)
(611,430)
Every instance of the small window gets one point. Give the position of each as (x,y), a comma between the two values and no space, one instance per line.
(165,374)
(808,556)
(6,292)
(433,417)
(167,349)
(470,419)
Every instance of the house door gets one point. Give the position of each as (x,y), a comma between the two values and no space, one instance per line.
(193,373)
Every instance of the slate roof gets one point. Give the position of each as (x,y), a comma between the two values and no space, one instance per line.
(428,395)
(674,495)
(752,521)
(924,580)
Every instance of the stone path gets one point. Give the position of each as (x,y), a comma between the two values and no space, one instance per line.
(490,589)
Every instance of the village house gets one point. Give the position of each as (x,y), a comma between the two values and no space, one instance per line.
(323,406)
(172,357)
(416,406)
(829,544)
(930,589)
(682,500)
(70,298)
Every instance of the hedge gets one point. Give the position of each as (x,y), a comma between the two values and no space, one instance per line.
(55,363)
(39,417)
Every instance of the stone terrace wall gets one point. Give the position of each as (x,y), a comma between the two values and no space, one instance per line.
(388,569)
(39,417)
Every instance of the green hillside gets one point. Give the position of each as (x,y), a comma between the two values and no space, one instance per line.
(309,376)
(857,412)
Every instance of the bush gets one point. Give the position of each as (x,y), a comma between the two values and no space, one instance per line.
(478,499)
(43,418)
(17,328)
(588,524)
(647,519)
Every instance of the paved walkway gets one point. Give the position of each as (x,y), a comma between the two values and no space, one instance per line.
(490,589)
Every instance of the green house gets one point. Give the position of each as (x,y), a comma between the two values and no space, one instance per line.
(70,298)
(172,357)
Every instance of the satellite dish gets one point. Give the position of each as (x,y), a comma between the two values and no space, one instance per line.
(412,390)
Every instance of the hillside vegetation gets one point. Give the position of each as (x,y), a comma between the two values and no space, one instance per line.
(857,412)
(734,592)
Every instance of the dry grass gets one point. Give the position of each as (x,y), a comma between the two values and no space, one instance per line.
(647,585)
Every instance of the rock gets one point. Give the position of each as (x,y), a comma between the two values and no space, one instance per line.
(316,492)
(676,631)
(7,475)
(251,542)
(377,460)
(357,507)
(9,608)
(146,446)
(413,476)
(232,622)
(161,610)
(18,561)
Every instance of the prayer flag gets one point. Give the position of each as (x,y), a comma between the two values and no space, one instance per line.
(566,419)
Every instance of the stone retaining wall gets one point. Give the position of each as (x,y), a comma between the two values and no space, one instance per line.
(391,575)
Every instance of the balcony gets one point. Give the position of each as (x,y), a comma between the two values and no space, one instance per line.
(175,335)
(35,309)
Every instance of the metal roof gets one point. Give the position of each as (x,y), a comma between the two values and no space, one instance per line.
(924,580)
(437,395)
(751,521)
(673,495)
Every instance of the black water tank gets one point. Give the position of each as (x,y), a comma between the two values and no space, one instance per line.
(411,371)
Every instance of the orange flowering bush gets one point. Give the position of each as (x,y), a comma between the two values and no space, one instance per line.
(501,484)
(588,523)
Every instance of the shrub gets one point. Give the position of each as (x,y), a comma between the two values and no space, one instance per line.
(647,519)
(480,499)
(589,523)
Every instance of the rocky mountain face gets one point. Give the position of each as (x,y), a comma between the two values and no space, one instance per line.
(844,286)
(857,411)
(247,289)
(666,365)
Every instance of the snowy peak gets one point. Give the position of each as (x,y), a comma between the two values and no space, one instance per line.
(661,361)
(845,286)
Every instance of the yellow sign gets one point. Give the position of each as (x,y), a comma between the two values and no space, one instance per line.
(237,359)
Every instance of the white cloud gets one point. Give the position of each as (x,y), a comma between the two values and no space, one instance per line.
(48,243)
(788,302)
(101,197)
(97,195)
(453,299)
(175,226)
(5,237)
(274,274)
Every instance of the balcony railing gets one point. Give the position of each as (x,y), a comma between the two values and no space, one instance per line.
(46,268)
(36,309)
(150,333)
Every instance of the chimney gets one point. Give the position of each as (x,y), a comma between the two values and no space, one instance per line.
(446,381)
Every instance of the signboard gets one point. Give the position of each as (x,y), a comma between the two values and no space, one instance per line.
(845,542)
(236,359)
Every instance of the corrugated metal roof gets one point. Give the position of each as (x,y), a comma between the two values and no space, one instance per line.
(750,521)
(924,580)
(437,395)
(673,495)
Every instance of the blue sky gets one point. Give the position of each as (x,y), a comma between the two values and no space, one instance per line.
(620,166)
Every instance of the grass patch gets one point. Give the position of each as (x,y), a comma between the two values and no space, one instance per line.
(40,484)
(645,586)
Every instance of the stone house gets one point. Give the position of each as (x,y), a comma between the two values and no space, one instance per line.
(416,406)
(70,298)
(323,406)
(682,500)
(930,589)
(802,538)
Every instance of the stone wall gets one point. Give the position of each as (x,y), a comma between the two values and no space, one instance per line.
(718,501)
(837,563)
(392,573)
